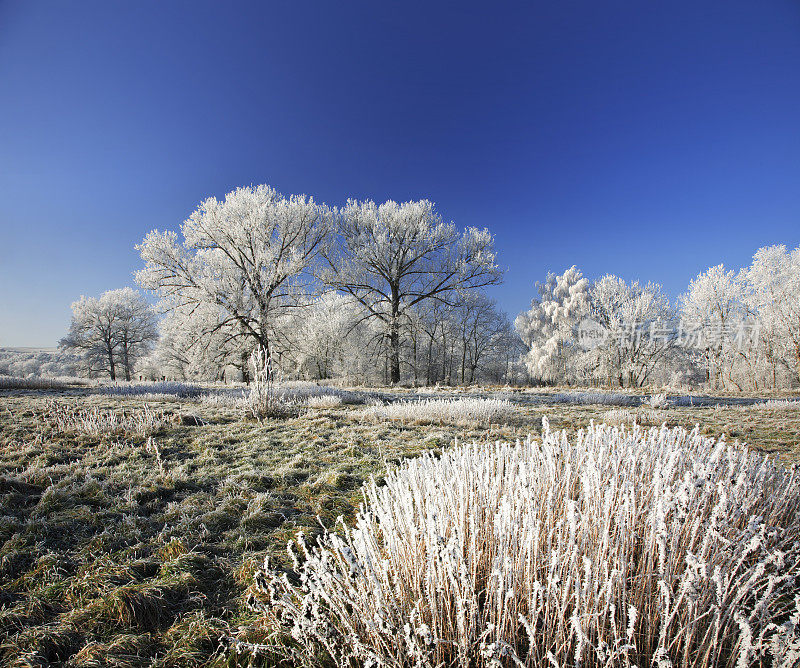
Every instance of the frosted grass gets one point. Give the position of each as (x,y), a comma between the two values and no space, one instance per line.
(617,547)
(442,411)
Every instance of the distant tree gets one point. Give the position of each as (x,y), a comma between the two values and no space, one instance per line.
(480,326)
(771,287)
(710,312)
(320,335)
(194,346)
(248,256)
(112,331)
(547,329)
(391,257)
(640,326)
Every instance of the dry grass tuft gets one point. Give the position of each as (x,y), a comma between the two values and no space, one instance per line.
(95,421)
(626,416)
(442,411)
(617,548)
(324,401)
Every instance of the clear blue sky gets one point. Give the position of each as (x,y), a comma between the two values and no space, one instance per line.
(648,139)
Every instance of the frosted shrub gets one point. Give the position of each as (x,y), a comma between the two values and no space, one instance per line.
(264,400)
(619,547)
(441,411)
(657,401)
(620,416)
(324,401)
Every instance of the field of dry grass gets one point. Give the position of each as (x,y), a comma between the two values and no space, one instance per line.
(126,548)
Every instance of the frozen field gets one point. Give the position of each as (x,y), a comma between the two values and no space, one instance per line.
(132,519)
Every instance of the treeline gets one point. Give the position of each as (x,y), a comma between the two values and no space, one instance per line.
(366,293)
(390,293)
(731,330)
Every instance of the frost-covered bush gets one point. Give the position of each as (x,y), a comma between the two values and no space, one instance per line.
(620,416)
(441,411)
(617,547)
(657,401)
(324,401)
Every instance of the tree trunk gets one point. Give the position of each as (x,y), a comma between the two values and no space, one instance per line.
(112,369)
(394,351)
(243,365)
(394,335)
(126,362)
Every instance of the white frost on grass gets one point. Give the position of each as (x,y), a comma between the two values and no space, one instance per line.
(324,401)
(620,416)
(149,390)
(70,418)
(775,405)
(442,411)
(615,547)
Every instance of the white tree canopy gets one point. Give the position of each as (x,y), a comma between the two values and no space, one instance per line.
(248,255)
(547,329)
(639,322)
(771,286)
(112,331)
(391,257)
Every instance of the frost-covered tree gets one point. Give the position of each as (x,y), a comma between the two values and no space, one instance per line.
(248,255)
(548,328)
(711,312)
(40,363)
(194,346)
(639,323)
(392,257)
(481,326)
(112,331)
(137,328)
(771,286)
(319,337)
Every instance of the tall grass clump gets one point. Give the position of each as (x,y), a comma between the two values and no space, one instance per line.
(656,401)
(39,383)
(618,547)
(324,401)
(68,418)
(442,411)
(264,399)
(625,416)
(775,405)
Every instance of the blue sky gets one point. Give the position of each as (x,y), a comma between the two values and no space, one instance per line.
(647,139)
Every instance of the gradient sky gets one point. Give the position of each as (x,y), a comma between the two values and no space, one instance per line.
(648,139)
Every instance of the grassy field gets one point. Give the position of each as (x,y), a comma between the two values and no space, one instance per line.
(129,549)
